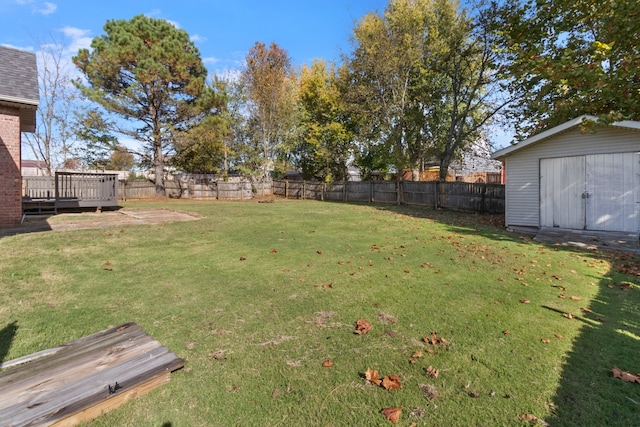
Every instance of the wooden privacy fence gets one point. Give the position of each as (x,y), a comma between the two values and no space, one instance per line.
(196,189)
(463,196)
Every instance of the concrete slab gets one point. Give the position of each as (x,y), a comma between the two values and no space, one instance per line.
(590,240)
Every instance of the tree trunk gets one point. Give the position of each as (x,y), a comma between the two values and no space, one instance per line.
(158,162)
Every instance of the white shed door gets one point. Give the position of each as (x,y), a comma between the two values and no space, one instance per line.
(595,192)
(613,186)
(562,185)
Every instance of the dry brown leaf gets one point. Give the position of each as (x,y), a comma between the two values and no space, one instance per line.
(587,310)
(327,363)
(506,332)
(391,382)
(558,336)
(545,340)
(242,258)
(575,298)
(274,251)
(563,296)
(371,375)
(392,414)
(319,252)
(525,301)
(417,354)
(362,327)
(432,372)
(434,339)
(625,376)
(568,315)
(107,262)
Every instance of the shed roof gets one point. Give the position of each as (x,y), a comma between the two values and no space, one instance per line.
(629,124)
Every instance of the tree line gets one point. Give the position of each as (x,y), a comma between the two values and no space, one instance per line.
(422,80)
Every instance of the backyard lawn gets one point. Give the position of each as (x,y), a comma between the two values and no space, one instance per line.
(469,325)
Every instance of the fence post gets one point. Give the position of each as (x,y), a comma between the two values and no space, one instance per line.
(371,192)
(344,191)
(436,195)
(324,188)
(304,189)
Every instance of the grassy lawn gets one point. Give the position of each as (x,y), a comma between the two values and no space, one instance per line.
(256,297)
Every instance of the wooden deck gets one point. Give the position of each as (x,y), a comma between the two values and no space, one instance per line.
(80,380)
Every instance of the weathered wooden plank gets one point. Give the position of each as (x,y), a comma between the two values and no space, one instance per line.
(113,402)
(41,392)
(74,355)
(53,379)
(71,398)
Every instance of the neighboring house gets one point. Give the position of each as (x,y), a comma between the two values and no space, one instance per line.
(566,177)
(19,99)
(34,167)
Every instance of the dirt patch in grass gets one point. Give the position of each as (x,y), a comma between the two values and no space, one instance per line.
(89,220)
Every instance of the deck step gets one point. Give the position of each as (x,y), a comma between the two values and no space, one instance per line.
(39,207)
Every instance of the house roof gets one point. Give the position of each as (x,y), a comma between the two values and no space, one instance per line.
(19,84)
(629,124)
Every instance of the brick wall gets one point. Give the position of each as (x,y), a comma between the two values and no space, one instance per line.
(10,177)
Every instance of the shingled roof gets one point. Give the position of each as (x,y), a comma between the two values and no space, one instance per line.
(19,84)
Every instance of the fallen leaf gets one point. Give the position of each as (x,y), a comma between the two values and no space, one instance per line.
(274,251)
(587,310)
(568,315)
(327,363)
(500,279)
(407,271)
(107,262)
(417,354)
(108,268)
(432,372)
(434,339)
(242,258)
(319,252)
(362,327)
(525,301)
(371,375)
(327,286)
(574,298)
(563,296)
(392,414)
(391,382)
(545,340)
(625,376)
(473,393)
(506,332)
(558,336)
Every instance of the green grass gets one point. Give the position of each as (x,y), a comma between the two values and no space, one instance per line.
(256,296)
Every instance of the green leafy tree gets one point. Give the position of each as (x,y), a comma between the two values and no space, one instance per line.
(385,77)
(150,75)
(204,147)
(121,159)
(269,87)
(572,57)
(325,144)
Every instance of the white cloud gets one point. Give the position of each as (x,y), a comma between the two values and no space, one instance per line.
(46,8)
(78,39)
(25,48)
(198,38)
(174,23)
(210,60)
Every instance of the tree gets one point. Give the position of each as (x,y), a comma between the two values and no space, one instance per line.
(148,74)
(269,82)
(53,139)
(424,80)
(121,159)
(572,57)
(324,146)
(468,63)
(385,76)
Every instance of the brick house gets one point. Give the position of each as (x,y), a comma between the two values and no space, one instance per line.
(19,99)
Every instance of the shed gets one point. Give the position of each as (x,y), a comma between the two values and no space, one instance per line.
(19,98)
(572,178)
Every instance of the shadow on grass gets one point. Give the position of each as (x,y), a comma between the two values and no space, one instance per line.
(7,334)
(32,225)
(588,394)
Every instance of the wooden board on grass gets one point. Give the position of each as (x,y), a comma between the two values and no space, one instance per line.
(84,378)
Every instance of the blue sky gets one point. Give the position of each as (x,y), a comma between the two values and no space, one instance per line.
(223,30)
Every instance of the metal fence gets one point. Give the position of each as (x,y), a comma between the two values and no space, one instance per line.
(463,196)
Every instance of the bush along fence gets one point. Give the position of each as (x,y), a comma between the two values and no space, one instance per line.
(462,196)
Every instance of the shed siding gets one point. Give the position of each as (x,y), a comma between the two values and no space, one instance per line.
(523,166)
